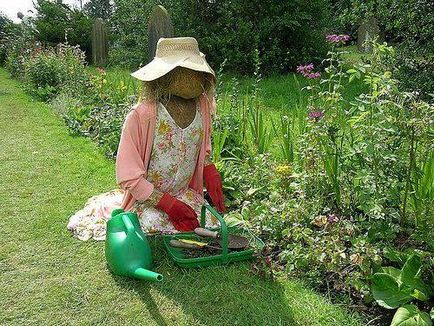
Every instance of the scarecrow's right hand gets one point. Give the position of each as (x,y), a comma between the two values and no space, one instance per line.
(182,216)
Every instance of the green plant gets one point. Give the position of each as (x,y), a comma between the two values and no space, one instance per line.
(104,125)
(261,133)
(19,45)
(6,27)
(393,288)
(50,70)
(57,22)
(286,132)
(411,315)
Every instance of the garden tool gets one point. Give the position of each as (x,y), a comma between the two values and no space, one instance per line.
(126,248)
(234,241)
(191,244)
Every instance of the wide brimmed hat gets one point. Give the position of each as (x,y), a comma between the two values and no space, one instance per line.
(171,53)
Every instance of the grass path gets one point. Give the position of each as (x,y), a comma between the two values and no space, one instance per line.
(49,278)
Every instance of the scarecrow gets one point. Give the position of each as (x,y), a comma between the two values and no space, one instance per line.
(163,159)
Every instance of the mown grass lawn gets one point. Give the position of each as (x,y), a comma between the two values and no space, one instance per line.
(47,277)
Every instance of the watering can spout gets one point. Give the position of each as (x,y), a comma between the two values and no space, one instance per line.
(147,275)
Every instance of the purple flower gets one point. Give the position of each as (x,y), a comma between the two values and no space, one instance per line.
(315,115)
(333,38)
(313,75)
(306,71)
(332,218)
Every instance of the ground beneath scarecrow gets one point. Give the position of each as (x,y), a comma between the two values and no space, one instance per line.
(48,277)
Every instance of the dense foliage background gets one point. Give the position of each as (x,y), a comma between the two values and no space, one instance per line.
(224,29)
(408,24)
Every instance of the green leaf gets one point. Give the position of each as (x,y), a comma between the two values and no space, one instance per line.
(252,191)
(410,315)
(392,271)
(410,277)
(411,269)
(421,290)
(394,255)
(386,291)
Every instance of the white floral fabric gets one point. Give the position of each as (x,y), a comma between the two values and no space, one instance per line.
(174,155)
(173,158)
(90,221)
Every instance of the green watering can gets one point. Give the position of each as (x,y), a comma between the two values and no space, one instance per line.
(126,248)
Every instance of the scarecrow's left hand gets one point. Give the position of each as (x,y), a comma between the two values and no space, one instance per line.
(213,183)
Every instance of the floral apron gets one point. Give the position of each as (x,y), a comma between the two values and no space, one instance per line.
(173,159)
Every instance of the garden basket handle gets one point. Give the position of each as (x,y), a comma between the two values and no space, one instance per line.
(223,229)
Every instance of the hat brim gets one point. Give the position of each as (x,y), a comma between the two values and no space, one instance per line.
(158,67)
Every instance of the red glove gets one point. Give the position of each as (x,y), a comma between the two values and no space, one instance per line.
(213,183)
(182,216)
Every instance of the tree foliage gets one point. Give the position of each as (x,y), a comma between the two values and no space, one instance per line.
(284,32)
(98,9)
(405,23)
(56,22)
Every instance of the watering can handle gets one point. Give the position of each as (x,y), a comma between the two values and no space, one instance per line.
(127,223)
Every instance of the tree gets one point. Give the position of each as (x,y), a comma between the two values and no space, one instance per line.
(98,9)
(56,22)
(6,26)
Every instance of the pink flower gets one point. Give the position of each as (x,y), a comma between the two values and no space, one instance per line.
(169,136)
(306,71)
(332,218)
(315,115)
(313,75)
(333,38)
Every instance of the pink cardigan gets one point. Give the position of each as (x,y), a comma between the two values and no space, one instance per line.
(135,148)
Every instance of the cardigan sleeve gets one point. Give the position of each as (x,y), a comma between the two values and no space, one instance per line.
(130,169)
(210,113)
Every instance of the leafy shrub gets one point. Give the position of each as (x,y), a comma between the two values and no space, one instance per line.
(50,70)
(223,32)
(130,33)
(6,27)
(19,46)
(105,125)
(56,22)
(406,24)
(73,111)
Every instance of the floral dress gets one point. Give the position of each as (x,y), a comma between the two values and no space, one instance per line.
(173,159)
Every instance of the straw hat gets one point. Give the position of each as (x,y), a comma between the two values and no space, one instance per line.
(174,52)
